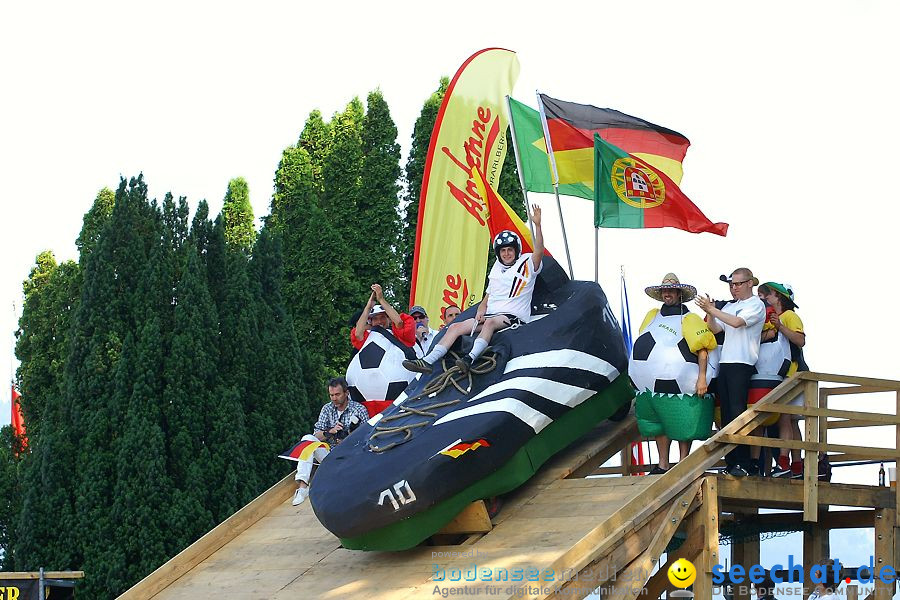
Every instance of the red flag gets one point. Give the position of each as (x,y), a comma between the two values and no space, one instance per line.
(18,419)
(500,215)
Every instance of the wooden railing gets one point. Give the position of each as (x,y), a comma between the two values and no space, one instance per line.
(816,412)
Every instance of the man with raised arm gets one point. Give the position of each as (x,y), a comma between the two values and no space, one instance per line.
(507,300)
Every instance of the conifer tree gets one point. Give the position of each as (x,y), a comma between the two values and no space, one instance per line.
(380,261)
(238,216)
(315,139)
(192,379)
(108,311)
(94,221)
(51,293)
(415,170)
(235,481)
(283,411)
(10,496)
(141,505)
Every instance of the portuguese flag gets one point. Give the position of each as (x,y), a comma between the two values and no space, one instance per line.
(634,194)
(572,127)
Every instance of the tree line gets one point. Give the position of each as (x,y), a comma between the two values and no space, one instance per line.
(162,372)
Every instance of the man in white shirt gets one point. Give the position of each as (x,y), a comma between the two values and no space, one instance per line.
(742,321)
(507,299)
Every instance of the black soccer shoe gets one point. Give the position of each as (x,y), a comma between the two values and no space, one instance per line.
(418,366)
(464,363)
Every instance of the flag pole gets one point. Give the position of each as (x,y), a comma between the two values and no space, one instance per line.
(596,254)
(555,180)
(515,145)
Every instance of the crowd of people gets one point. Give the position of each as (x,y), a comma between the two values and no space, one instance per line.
(753,335)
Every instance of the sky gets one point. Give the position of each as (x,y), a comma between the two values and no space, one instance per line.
(790,108)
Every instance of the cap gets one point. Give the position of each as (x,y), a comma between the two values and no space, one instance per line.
(376,310)
(417,309)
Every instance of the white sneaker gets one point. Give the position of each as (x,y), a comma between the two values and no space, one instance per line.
(300,495)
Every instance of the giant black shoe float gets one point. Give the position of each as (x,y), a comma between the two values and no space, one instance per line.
(452,439)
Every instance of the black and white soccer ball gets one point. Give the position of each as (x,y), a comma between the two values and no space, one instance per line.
(376,372)
(662,363)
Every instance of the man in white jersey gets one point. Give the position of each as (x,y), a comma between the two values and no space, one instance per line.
(506,301)
(742,321)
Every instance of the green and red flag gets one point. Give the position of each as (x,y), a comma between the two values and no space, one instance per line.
(632,193)
(571,128)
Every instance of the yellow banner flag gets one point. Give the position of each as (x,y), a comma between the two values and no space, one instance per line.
(452,236)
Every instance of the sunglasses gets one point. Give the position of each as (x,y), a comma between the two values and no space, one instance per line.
(419,317)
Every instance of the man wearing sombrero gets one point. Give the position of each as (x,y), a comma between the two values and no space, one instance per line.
(670,368)
(742,321)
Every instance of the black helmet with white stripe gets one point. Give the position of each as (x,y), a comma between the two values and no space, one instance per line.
(507,239)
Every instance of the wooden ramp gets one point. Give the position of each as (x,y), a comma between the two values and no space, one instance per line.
(557,534)
(270,549)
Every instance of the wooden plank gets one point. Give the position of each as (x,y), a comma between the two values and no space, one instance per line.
(709,521)
(620,439)
(220,535)
(47,575)
(884,550)
(641,568)
(790,409)
(599,573)
(811,457)
(815,550)
(745,553)
(473,519)
(852,592)
(775,493)
(897,447)
(753,440)
(853,389)
(844,424)
(843,519)
(886,385)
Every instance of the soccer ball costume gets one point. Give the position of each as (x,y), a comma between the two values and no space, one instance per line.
(664,368)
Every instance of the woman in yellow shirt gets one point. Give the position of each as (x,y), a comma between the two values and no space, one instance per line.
(789,328)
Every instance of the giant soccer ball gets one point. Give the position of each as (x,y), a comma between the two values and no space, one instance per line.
(376,372)
(661,362)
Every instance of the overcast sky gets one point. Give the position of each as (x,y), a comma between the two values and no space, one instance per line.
(790,108)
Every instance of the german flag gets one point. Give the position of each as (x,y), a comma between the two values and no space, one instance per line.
(302,450)
(458,448)
(572,127)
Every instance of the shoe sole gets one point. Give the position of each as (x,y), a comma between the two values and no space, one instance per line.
(417,368)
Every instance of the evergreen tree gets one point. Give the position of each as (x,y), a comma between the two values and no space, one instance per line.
(109,309)
(380,261)
(315,139)
(141,505)
(192,379)
(283,412)
(10,496)
(94,221)
(294,202)
(415,171)
(235,481)
(51,293)
(238,213)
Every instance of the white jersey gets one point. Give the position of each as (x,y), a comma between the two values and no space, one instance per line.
(510,288)
(741,344)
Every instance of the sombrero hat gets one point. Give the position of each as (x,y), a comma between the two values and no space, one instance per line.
(670,282)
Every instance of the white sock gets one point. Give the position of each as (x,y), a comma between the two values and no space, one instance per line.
(477,348)
(436,354)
